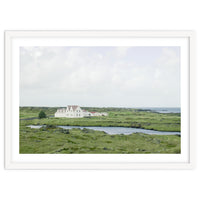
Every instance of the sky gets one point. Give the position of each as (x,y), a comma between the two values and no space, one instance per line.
(100,76)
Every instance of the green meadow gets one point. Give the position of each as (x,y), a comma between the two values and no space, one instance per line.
(51,139)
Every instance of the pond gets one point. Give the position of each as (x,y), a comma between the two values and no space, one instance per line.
(122,130)
(116,130)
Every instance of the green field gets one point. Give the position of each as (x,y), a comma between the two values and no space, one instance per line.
(117,117)
(51,139)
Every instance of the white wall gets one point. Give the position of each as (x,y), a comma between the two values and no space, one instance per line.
(104,14)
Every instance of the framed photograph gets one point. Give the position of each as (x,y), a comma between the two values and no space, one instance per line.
(99,99)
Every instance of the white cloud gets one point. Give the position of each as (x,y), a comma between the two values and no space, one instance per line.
(121,51)
(95,76)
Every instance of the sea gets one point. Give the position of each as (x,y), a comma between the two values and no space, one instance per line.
(161,109)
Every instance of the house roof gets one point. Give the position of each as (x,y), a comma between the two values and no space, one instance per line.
(74,107)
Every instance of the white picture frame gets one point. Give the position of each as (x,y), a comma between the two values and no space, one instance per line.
(13,39)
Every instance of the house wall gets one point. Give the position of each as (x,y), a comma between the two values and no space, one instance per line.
(70,113)
(78,113)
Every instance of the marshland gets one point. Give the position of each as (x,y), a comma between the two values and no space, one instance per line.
(49,137)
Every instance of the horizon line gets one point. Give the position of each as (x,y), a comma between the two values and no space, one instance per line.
(112,106)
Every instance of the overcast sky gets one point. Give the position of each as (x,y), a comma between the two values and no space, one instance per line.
(100,76)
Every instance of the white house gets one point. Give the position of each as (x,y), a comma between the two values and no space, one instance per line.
(70,112)
(76,112)
(98,114)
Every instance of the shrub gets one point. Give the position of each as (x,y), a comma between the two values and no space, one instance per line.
(49,126)
(42,114)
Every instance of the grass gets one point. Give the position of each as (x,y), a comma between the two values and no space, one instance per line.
(54,140)
(117,117)
(29,112)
